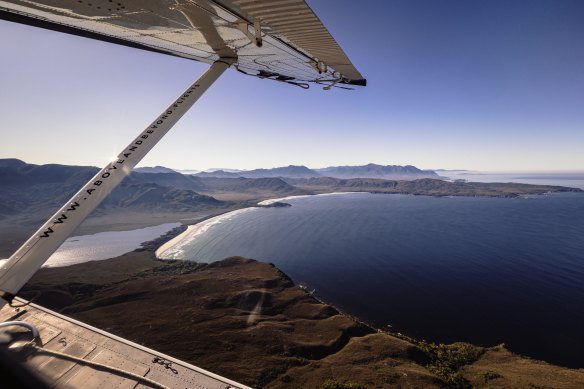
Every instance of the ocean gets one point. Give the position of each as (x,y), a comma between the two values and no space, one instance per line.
(570,179)
(482,270)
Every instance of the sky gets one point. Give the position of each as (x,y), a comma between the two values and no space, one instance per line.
(453,84)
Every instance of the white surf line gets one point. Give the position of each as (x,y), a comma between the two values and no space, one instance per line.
(172,248)
(272,201)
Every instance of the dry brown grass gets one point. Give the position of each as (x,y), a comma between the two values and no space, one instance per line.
(247,321)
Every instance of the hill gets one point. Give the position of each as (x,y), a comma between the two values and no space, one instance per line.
(11,163)
(287,171)
(219,174)
(247,320)
(391,172)
(30,194)
(155,169)
(250,190)
(424,187)
(41,188)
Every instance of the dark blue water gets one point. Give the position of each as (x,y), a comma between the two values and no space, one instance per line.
(482,270)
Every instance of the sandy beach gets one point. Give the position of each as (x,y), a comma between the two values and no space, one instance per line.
(170,249)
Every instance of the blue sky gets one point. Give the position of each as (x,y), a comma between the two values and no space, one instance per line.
(481,85)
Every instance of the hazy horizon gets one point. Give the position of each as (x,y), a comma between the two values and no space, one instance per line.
(235,168)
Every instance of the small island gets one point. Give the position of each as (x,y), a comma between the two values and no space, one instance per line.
(276,204)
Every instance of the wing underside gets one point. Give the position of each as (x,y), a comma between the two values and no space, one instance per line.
(295,45)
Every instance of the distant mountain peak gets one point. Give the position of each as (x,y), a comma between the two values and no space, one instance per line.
(372,170)
(218,174)
(290,171)
(11,162)
(154,169)
(224,169)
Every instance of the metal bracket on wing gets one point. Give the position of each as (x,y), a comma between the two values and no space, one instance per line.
(256,38)
(338,78)
(203,22)
(275,77)
(321,67)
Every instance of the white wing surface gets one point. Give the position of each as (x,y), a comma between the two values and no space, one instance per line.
(275,39)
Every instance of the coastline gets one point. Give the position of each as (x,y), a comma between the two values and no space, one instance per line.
(203,225)
(199,222)
(17,228)
(124,270)
(251,245)
(261,329)
(198,228)
(276,200)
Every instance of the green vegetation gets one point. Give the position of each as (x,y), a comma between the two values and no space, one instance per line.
(334,384)
(446,360)
(270,374)
(490,375)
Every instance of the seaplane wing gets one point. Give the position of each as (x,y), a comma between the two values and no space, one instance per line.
(281,40)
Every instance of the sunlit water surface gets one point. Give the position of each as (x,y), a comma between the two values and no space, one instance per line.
(104,245)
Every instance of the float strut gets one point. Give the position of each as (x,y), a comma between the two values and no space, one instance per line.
(22,265)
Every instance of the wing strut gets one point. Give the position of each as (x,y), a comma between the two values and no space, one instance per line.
(38,248)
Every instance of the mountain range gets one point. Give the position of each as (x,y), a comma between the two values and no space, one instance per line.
(38,190)
(30,193)
(388,172)
(155,169)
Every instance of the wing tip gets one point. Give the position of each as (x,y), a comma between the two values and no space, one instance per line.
(360,82)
